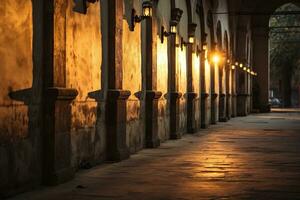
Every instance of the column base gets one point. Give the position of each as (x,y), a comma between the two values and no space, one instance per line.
(222,108)
(234,105)
(151,125)
(191,118)
(59,176)
(242,105)
(57,138)
(265,108)
(174,115)
(214,115)
(152,144)
(115,119)
(204,110)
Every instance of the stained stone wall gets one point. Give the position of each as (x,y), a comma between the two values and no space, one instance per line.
(79,53)
(132,81)
(162,85)
(83,61)
(16,66)
(197,88)
(20,144)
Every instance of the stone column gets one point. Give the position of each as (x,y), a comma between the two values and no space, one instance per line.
(214,96)
(204,93)
(56,97)
(116,97)
(261,66)
(228,92)
(242,95)
(174,95)
(152,95)
(222,93)
(233,93)
(191,94)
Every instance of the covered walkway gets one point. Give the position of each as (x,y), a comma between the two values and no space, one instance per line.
(254,157)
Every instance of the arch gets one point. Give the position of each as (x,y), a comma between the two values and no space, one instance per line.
(210,24)
(200,12)
(219,35)
(189,10)
(226,43)
(185,18)
(261,64)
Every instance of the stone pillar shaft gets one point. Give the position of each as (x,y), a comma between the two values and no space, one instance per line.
(115,108)
(191,94)
(56,97)
(152,96)
(174,95)
(261,66)
(204,93)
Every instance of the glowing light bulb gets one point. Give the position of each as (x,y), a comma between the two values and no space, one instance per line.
(216,59)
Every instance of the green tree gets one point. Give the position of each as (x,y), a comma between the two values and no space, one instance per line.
(285,51)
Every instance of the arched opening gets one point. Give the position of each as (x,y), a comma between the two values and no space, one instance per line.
(284,55)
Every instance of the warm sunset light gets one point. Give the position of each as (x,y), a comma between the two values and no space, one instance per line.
(216,59)
(149,99)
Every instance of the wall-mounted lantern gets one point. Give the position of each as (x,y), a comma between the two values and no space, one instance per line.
(253,73)
(204,46)
(81,5)
(182,43)
(236,63)
(191,33)
(191,40)
(242,66)
(146,13)
(233,67)
(164,33)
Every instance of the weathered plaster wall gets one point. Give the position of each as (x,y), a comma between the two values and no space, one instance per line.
(15,66)
(196,87)
(162,85)
(132,81)
(164,13)
(20,161)
(83,50)
(163,18)
(183,25)
(181,79)
(181,64)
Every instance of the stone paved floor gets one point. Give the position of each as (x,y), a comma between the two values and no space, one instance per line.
(255,157)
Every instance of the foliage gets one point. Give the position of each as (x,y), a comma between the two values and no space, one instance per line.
(285,44)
